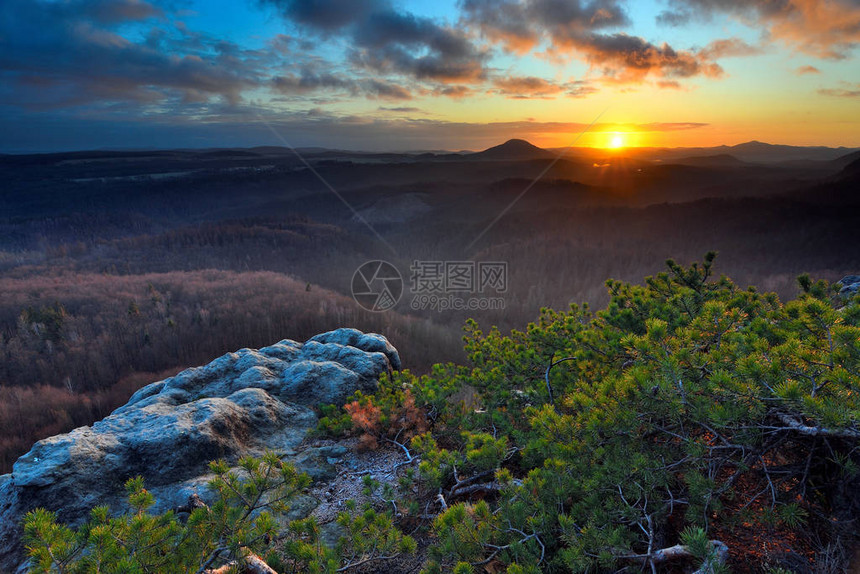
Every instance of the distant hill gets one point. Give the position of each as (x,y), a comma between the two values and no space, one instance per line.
(853,168)
(766,153)
(847,160)
(749,152)
(270,150)
(839,189)
(514,149)
(283,150)
(832,165)
(229,153)
(718,160)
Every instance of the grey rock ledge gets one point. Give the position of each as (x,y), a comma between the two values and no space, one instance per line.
(240,404)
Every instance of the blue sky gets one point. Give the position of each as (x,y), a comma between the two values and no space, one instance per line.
(404,75)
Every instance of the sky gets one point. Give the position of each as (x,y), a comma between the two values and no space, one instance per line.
(408,75)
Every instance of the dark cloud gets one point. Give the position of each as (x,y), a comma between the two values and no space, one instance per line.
(677,18)
(327,15)
(385,90)
(519,25)
(286,44)
(822,28)
(626,58)
(417,46)
(567,21)
(503,22)
(116,11)
(387,40)
(411,62)
(81,53)
(455,92)
(682,12)
(76,48)
(581,29)
(580,89)
(310,81)
(403,43)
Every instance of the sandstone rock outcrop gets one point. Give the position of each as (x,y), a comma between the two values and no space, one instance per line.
(242,403)
(850,285)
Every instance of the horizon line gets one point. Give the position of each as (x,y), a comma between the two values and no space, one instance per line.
(408,151)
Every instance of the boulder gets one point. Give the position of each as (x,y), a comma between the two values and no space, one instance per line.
(242,403)
(850,285)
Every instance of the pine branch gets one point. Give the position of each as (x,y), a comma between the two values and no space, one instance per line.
(251,564)
(365,561)
(798,426)
(719,555)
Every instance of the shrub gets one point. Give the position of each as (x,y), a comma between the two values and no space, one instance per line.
(240,526)
(685,405)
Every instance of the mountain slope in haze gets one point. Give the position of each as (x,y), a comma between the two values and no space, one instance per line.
(765,152)
(761,152)
(718,160)
(849,178)
(847,160)
(748,152)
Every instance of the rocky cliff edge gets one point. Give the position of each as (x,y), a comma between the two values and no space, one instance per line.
(242,403)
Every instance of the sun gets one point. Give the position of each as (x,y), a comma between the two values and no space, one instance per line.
(616,142)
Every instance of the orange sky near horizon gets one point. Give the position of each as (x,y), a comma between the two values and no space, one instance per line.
(647,116)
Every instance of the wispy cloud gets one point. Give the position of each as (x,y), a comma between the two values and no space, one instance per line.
(526,87)
(847,90)
(729,47)
(402,110)
(669,126)
(804,70)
